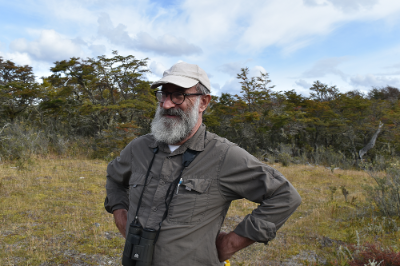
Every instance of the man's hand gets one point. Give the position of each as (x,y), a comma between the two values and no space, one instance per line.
(120,218)
(229,244)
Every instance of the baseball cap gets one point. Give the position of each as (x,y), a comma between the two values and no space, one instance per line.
(184,75)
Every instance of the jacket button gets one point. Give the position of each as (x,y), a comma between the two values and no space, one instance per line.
(162,182)
(154,209)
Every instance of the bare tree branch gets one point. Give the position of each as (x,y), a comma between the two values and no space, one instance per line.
(371,143)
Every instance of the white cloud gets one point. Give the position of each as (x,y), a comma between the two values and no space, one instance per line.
(50,46)
(303,83)
(353,5)
(234,68)
(231,68)
(232,86)
(344,5)
(165,44)
(255,71)
(370,80)
(98,49)
(285,24)
(116,35)
(291,24)
(394,66)
(216,86)
(18,58)
(326,66)
(157,68)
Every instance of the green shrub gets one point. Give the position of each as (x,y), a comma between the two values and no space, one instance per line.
(385,194)
(285,158)
(19,141)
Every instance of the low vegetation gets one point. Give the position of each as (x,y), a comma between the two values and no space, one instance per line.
(51,213)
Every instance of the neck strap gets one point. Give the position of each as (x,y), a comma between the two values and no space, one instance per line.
(187,158)
(136,220)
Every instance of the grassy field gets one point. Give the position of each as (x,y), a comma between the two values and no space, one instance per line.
(51,213)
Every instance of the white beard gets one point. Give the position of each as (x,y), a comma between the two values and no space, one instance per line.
(174,130)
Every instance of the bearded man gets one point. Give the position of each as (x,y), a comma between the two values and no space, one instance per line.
(180,180)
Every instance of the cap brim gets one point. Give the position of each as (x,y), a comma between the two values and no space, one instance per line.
(180,81)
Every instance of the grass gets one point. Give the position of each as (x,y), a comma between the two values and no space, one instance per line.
(54,213)
(51,213)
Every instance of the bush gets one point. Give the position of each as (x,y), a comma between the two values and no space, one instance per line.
(386,193)
(369,254)
(19,142)
(329,157)
(285,159)
(112,141)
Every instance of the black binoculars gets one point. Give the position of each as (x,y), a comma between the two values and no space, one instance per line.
(139,246)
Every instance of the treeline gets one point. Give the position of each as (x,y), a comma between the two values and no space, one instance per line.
(100,104)
(327,123)
(103,102)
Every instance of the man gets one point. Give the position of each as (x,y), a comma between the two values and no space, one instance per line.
(200,194)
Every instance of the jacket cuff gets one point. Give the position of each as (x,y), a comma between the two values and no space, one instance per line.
(256,229)
(111,207)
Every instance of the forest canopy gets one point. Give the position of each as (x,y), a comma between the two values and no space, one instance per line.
(101,104)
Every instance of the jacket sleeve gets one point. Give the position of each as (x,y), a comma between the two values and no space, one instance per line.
(117,186)
(243,176)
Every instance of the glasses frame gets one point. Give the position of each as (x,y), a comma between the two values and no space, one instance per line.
(175,92)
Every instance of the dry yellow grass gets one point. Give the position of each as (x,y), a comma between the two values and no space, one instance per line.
(322,223)
(52,214)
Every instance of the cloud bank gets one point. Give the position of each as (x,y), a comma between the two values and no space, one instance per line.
(163,45)
(50,46)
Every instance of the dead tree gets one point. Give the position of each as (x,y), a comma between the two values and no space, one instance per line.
(371,143)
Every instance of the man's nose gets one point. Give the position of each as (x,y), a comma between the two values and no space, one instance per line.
(168,104)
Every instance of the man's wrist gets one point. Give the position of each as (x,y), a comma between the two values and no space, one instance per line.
(237,242)
(120,218)
(229,244)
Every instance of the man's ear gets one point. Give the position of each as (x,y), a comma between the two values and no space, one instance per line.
(204,101)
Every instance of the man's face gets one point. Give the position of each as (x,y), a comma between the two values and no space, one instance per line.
(189,100)
(172,123)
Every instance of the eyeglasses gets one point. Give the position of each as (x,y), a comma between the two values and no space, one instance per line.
(177,97)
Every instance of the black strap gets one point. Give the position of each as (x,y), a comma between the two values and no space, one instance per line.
(188,157)
(135,220)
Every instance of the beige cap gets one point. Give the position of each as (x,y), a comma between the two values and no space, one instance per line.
(184,75)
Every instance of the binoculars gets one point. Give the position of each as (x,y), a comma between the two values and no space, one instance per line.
(139,246)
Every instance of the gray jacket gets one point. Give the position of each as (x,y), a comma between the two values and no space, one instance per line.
(220,173)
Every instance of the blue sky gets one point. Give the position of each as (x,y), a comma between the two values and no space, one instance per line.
(353,44)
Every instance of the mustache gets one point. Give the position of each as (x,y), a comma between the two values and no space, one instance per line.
(172,111)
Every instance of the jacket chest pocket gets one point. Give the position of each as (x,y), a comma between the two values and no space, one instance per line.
(136,186)
(190,204)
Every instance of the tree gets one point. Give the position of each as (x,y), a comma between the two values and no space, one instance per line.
(323,93)
(18,89)
(104,97)
(384,93)
(99,94)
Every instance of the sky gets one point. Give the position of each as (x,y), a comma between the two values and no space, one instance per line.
(351,44)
